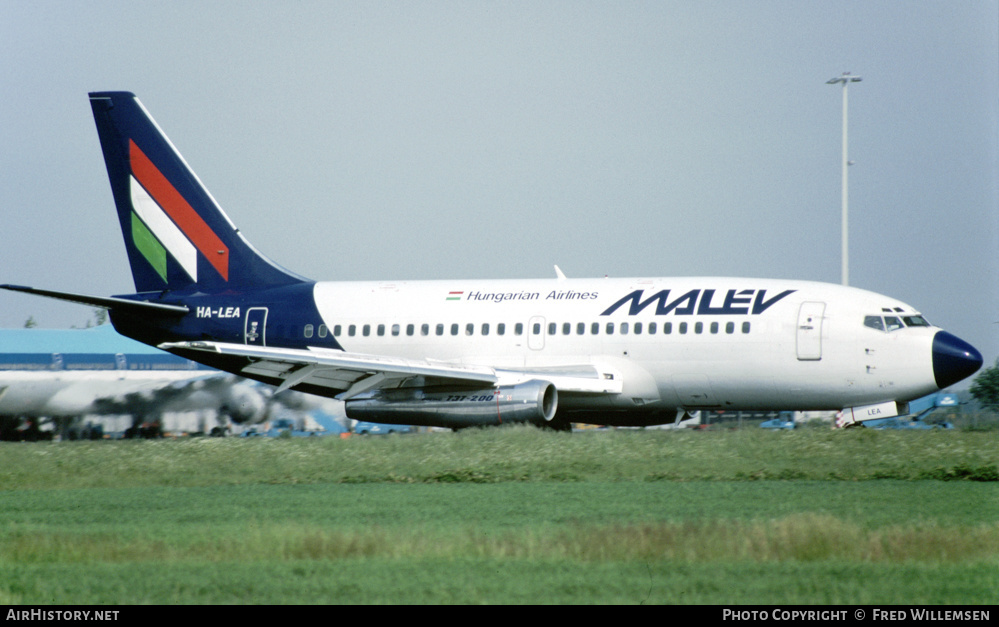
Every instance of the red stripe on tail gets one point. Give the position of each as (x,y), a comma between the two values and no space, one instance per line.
(186,218)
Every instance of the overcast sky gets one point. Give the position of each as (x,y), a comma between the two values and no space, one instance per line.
(444,140)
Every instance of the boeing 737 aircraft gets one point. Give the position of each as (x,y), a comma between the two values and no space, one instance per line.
(466,352)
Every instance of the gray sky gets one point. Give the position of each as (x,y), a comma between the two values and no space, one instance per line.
(445,140)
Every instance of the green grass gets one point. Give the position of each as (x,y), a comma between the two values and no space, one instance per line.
(472,580)
(504,455)
(505,516)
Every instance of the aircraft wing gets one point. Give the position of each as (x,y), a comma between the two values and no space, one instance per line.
(344,375)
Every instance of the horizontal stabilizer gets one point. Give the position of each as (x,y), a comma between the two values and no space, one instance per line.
(104,302)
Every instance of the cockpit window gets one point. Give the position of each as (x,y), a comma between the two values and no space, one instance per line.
(874,322)
(893,324)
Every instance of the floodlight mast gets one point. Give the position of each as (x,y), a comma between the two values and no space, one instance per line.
(846,78)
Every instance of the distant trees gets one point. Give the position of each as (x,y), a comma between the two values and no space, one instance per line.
(985,388)
(100,316)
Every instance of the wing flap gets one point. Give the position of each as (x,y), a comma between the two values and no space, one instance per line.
(336,371)
(576,379)
(345,375)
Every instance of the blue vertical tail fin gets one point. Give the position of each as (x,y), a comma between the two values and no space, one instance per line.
(176,235)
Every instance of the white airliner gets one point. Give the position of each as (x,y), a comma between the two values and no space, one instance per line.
(64,375)
(465,352)
(67,373)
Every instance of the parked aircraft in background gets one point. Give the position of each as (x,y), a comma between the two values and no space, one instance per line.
(459,353)
(65,375)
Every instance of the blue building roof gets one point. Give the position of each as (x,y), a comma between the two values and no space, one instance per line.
(97,348)
(102,339)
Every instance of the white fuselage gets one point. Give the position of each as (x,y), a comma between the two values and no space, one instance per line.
(74,393)
(727,343)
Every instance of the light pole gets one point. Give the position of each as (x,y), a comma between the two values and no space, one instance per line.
(846,79)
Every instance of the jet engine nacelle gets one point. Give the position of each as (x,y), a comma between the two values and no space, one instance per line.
(532,402)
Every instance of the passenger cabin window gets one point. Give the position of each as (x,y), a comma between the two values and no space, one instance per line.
(500,329)
(309,329)
(518,329)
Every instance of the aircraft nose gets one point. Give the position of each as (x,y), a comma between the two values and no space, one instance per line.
(953,359)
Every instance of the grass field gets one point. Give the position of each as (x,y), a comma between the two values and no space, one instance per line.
(512,515)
